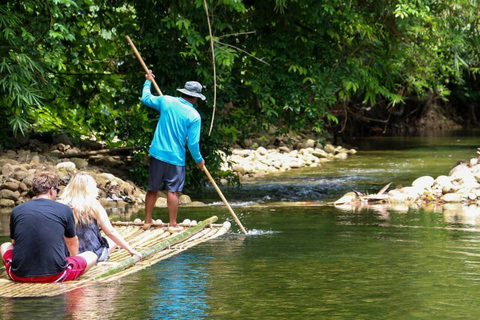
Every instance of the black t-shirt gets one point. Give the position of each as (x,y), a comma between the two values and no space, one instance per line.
(38,228)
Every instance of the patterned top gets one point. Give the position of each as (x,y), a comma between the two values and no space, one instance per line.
(89,238)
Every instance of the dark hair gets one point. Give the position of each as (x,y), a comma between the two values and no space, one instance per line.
(44,181)
(187,96)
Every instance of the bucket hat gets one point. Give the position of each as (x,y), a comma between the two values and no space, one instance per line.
(193,89)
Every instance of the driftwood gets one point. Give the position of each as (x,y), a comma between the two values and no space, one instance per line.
(97,152)
(356,196)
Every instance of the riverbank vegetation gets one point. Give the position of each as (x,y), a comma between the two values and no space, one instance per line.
(346,67)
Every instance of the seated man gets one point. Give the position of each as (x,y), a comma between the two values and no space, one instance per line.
(41,231)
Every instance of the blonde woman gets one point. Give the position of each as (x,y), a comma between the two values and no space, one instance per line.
(81,195)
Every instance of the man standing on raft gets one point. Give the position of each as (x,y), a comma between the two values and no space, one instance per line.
(179,124)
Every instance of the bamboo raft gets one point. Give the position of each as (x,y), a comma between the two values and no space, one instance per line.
(155,244)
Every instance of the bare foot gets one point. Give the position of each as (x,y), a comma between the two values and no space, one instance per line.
(147,226)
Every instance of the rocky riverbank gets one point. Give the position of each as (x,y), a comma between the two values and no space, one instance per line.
(461,185)
(18,168)
(251,163)
(59,155)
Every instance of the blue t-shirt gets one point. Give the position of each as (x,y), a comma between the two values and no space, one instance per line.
(179,125)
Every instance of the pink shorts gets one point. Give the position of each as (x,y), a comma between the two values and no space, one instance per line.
(76,266)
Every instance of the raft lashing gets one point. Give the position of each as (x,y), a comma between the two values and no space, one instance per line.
(155,244)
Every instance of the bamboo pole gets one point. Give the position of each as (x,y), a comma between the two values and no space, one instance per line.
(139,57)
(223,199)
(162,245)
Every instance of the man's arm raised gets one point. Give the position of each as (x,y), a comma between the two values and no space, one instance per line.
(148,98)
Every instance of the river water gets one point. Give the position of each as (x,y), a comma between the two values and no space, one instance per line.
(304,258)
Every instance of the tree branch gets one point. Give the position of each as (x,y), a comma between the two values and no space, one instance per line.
(237,48)
(214,69)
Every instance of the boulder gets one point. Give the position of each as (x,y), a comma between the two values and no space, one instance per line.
(452,197)
(238,168)
(295,165)
(107,176)
(241,152)
(423,182)
(9,194)
(247,143)
(7,203)
(79,163)
(262,151)
(161,202)
(22,186)
(184,199)
(329,148)
(319,153)
(28,180)
(13,186)
(62,138)
(284,149)
(346,198)
(310,143)
(443,180)
(7,170)
(460,170)
(341,156)
(68,166)
(20,175)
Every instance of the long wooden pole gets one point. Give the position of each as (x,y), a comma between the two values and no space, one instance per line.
(158,247)
(139,57)
(223,199)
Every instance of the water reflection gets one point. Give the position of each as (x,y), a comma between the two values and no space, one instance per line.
(453,213)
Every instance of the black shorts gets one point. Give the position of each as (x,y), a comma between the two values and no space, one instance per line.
(165,173)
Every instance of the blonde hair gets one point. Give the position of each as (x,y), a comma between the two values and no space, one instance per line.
(81,195)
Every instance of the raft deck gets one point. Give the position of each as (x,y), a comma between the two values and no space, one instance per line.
(155,244)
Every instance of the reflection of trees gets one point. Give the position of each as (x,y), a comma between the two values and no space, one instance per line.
(453,213)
